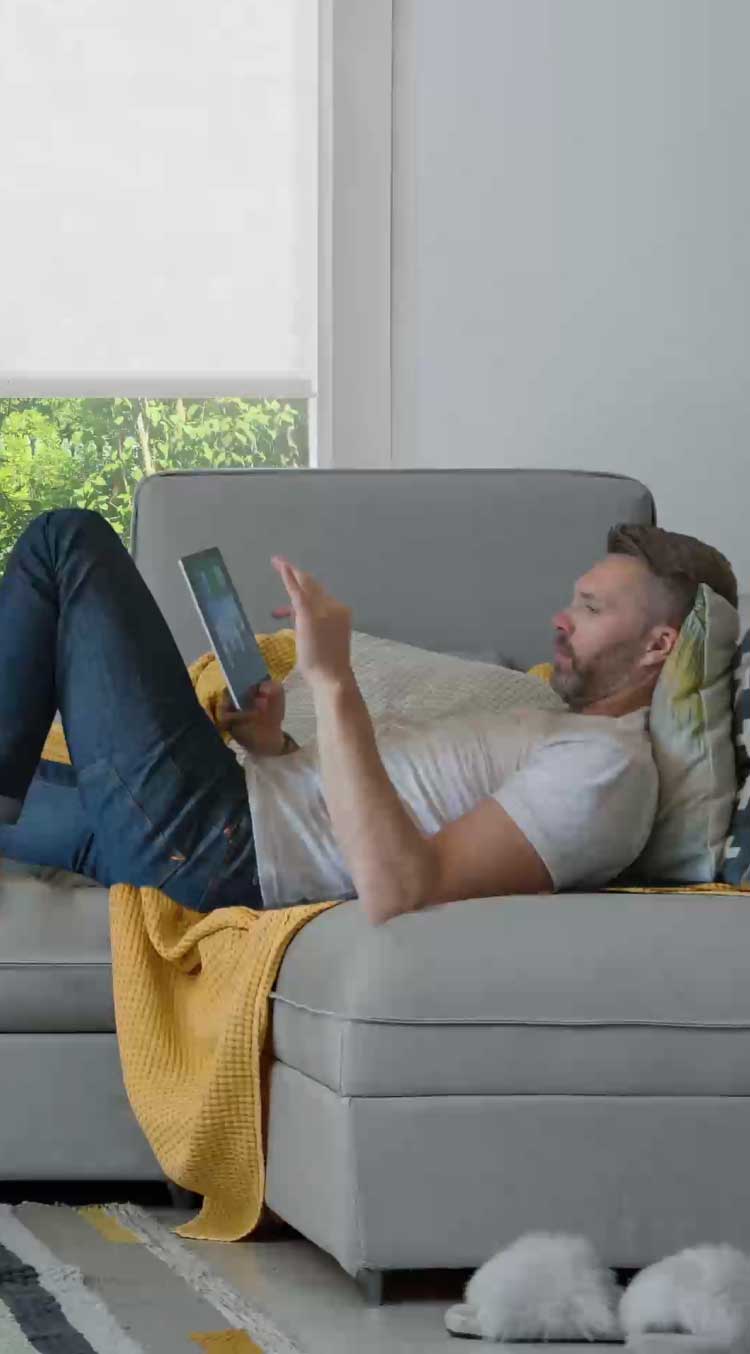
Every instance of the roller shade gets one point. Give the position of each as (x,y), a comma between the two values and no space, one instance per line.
(158,196)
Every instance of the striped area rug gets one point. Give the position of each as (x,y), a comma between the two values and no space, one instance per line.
(110,1279)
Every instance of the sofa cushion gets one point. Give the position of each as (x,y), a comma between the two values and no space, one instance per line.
(570,994)
(55,875)
(55,967)
(736,863)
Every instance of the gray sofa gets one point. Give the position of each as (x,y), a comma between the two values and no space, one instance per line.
(456,1077)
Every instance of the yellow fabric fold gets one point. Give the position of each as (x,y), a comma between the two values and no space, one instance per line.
(681,888)
(191,1012)
(543,671)
(191,1008)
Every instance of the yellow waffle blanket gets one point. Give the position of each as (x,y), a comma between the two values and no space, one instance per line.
(191,1010)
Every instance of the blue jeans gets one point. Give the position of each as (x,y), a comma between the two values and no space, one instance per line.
(153,796)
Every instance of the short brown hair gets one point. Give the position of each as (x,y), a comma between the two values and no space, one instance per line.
(681,563)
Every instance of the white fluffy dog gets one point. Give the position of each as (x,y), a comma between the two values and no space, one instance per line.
(553,1286)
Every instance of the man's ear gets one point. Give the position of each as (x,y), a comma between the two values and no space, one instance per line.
(659,645)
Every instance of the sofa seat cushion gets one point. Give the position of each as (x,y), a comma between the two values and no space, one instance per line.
(55,964)
(567,994)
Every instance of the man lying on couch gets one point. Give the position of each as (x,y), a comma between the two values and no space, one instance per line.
(530,802)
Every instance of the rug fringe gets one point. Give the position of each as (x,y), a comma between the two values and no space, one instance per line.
(241,1312)
(82,1308)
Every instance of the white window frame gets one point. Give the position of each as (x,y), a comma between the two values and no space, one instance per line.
(350,410)
(353,416)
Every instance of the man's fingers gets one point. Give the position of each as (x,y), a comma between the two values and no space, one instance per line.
(290,575)
(298,583)
(281,562)
(240,717)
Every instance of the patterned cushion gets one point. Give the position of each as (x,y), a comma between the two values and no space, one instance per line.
(690,725)
(736,865)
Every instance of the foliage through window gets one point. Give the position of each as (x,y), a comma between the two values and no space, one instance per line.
(91,453)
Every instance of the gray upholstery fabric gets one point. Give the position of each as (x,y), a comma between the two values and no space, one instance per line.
(572,958)
(366,1059)
(572,994)
(473,562)
(64,1111)
(406,1182)
(56,968)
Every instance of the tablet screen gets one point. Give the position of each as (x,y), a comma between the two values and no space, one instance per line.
(225,621)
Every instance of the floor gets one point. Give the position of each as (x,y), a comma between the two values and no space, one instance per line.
(303,1289)
(320,1307)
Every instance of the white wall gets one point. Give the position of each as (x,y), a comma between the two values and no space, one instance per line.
(571,245)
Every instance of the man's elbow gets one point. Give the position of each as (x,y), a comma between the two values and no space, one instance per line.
(403,890)
(383,905)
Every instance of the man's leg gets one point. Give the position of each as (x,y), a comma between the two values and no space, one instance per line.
(53,828)
(82,633)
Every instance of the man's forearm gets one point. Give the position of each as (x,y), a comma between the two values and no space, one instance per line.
(388,857)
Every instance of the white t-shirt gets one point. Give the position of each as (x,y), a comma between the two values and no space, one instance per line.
(582,789)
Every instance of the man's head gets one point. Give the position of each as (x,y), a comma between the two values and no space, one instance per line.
(626,614)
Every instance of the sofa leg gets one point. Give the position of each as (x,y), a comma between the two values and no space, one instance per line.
(371,1284)
(182,1198)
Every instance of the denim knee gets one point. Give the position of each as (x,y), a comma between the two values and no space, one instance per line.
(86,518)
(69,524)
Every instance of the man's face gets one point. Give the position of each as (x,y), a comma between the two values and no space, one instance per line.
(601,637)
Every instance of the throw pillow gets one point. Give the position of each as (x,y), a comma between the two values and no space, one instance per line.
(691,735)
(736,864)
(402,682)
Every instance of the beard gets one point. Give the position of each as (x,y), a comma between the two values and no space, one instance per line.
(570,683)
(609,673)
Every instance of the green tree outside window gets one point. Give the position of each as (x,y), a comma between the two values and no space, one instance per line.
(91,453)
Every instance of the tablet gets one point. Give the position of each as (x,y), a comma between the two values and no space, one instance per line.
(225,623)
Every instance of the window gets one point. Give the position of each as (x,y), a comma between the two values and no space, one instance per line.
(91,453)
(159,271)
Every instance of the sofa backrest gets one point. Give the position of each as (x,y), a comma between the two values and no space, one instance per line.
(460,561)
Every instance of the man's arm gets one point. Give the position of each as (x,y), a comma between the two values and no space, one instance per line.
(395,867)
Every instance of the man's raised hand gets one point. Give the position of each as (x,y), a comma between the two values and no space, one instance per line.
(323,626)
